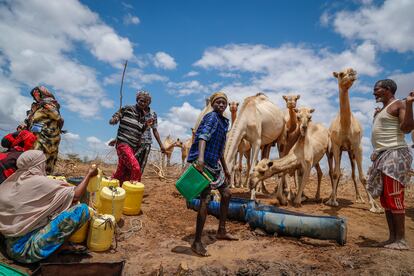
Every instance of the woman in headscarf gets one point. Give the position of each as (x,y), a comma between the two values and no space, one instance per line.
(45,121)
(37,214)
(15,143)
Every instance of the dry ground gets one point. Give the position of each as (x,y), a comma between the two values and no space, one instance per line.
(163,244)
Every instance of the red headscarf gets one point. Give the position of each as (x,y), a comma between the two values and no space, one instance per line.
(20,140)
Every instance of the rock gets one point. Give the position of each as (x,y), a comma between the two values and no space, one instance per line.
(182,270)
(260,232)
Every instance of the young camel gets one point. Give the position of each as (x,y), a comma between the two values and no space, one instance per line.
(243,150)
(169,145)
(260,122)
(346,135)
(312,145)
(185,149)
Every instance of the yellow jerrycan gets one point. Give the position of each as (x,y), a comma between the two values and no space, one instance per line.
(95,182)
(112,201)
(134,193)
(105,182)
(101,232)
(80,235)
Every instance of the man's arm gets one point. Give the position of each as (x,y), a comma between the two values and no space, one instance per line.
(405,114)
(157,136)
(201,149)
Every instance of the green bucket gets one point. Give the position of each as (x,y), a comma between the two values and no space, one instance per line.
(192,182)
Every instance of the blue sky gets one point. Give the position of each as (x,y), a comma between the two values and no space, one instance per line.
(182,51)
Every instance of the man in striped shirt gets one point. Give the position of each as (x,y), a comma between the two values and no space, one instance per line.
(132,124)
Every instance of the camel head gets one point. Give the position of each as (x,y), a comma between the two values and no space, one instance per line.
(178,143)
(346,78)
(233,106)
(304,116)
(260,172)
(291,100)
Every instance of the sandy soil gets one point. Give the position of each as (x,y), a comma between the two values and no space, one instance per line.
(162,246)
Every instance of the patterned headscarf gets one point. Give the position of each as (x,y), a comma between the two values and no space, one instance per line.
(42,97)
(217,95)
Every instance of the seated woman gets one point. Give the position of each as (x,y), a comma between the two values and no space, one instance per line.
(37,214)
(15,143)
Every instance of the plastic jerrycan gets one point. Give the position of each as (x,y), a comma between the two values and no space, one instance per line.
(80,235)
(95,182)
(112,201)
(101,232)
(105,182)
(133,199)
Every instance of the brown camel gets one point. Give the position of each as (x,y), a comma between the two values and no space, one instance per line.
(259,122)
(185,149)
(346,135)
(169,144)
(312,145)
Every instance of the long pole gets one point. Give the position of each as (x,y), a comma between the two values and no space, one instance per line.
(122,84)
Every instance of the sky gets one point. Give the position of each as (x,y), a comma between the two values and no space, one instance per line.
(182,51)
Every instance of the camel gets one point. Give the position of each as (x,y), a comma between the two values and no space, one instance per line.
(233,106)
(185,149)
(346,135)
(292,131)
(312,145)
(243,150)
(169,145)
(260,122)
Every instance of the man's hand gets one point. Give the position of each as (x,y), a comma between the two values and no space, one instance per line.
(377,110)
(113,121)
(410,97)
(149,122)
(199,165)
(162,149)
(112,143)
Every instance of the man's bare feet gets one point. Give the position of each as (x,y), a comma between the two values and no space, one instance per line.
(199,249)
(383,243)
(226,236)
(398,245)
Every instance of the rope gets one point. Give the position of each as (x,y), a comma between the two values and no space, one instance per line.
(135,227)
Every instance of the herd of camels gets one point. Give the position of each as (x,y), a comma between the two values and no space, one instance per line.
(260,124)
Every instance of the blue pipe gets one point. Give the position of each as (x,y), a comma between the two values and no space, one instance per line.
(318,227)
(276,220)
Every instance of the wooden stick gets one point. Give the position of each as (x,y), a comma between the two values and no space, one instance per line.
(122,84)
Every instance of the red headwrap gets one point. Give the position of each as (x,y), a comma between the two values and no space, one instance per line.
(21,140)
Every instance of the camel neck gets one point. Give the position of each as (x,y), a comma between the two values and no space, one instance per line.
(233,117)
(344,109)
(293,121)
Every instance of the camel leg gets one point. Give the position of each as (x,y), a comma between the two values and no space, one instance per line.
(375,207)
(255,151)
(303,179)
(280,191)
(168,160)
(248,164)
(336,176)
(358,197)
(329,156)
(163,161)
(319,174)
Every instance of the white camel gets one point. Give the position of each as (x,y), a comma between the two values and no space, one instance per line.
(312,145)
(259,122)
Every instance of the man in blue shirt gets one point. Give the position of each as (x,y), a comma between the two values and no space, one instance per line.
(207,153)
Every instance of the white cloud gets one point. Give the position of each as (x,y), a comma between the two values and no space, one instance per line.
(192,74)
(164,61)
(391,25)
(38,51)
(187,88)
(405,83)
(229,75)
(178,121)
(130,19)
(93,140)
(70,136)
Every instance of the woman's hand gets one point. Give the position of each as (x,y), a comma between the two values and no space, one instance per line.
(93,171)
